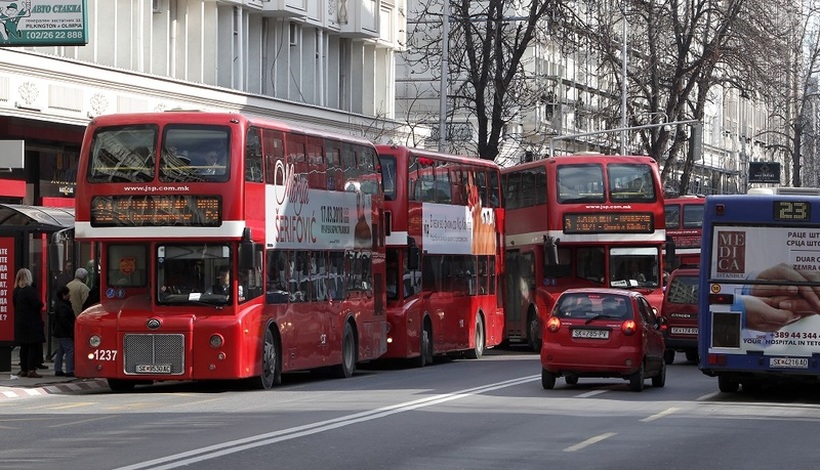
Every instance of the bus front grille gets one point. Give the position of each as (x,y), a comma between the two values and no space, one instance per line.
(154,354)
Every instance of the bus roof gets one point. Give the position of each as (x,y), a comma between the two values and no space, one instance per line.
(209,117)
(785,191)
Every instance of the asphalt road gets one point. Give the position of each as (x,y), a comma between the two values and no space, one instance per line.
(463,414)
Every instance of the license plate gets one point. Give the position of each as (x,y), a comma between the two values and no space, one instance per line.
(153,368)
(684,331)
(591,334)
(789,362)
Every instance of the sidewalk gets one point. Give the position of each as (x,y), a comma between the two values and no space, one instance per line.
(12,386)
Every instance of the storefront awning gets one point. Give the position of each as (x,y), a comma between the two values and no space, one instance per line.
(36,218)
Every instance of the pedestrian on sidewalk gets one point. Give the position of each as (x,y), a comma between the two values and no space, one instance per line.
(29,330)
(79,291)
(64,332)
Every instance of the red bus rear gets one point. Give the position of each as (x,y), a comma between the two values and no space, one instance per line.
(444,253)
(229,248)
(684,224)
(579,221)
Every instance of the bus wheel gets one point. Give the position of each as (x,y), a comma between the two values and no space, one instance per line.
(478,350)
(426,347)
(271,369)
(117,385)
(348,366)
(547,379)
(533,333)
(727,385)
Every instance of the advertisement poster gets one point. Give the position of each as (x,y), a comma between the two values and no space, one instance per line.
(458,230)
(774,275)
(300,218)
(43,23)
(6,288)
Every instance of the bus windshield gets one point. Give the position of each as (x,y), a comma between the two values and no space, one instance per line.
(189,153)
(194,273)
(634,267)
(123,154)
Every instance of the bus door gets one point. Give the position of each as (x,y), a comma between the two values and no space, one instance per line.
(520,291)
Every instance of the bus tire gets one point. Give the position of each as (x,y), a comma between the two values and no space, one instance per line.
(478,349)
(346,369)
(727,385)
(119,385)
(426,346)
(533,332)
(271,373)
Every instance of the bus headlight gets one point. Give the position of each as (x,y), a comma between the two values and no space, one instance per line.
(217,341)
(94,341)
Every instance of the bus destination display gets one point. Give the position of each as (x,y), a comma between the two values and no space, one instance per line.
(792,211)
(640,222)
(156,211)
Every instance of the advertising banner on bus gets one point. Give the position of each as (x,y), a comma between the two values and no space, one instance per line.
(317,219)
(768,270)
(460,230)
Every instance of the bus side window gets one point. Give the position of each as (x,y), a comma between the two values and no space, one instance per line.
(335,175)
(273,147)
(316,164)
(253,156)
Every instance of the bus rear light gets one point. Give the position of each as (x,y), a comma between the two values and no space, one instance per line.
(720,209)
(217,341)
(721,299)
(94,341)
(553,324)
(716,359)
(628,327)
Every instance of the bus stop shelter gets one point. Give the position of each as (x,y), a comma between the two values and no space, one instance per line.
(24,239)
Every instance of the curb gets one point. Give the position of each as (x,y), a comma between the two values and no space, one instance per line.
(23,392)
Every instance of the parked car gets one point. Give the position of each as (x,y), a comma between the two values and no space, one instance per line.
(679,313)
(603,333)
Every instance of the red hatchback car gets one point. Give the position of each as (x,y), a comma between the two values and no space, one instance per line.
(603,333)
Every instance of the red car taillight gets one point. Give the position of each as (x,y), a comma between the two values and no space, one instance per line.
(553,324)
(628,327)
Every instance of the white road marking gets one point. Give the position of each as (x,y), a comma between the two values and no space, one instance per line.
(239,445)
(590,441)
(663,413)
(591,393)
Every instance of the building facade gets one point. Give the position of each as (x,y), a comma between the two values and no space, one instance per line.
(327,64)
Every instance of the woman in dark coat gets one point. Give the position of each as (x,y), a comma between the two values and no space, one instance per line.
(29,330)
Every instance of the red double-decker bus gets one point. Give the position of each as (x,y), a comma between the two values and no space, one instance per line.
(684,225)
(579,221)
(229,247)
(444,254)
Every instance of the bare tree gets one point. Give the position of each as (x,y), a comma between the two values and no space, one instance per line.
(489,49)
(793,94)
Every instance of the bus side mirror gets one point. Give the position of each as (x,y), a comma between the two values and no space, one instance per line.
(412,255)
(246,251)
(551,250)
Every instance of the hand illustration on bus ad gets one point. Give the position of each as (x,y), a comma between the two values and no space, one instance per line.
(770,307)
